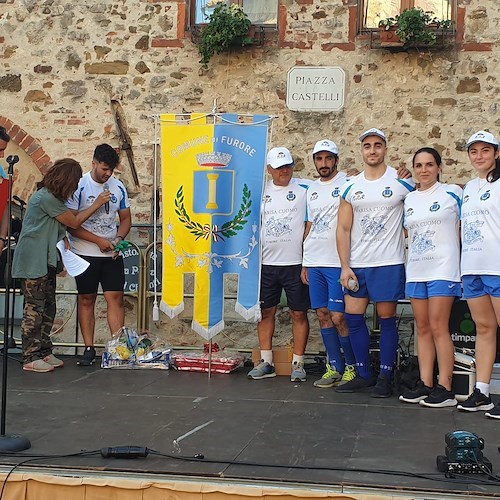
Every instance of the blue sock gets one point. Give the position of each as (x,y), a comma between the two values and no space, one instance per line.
(332,346)
(360,342)
(345,343)
(389,339)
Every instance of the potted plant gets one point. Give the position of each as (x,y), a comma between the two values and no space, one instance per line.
(413,28)
(228,25)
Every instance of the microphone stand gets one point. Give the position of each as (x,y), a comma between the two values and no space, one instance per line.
(11,442)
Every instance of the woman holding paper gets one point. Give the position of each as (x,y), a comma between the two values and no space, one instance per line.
(36,258)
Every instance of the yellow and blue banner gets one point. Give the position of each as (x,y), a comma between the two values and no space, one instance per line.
(212,182)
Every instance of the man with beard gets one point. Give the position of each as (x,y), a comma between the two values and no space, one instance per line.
(321,264)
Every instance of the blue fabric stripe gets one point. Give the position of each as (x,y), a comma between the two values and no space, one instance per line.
(344,194)
(406,184)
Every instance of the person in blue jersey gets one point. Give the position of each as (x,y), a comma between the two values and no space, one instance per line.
(321,264)
(370,242)
(283,216)
(432,219)
(480,266)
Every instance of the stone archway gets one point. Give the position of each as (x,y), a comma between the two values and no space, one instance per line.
(33,160)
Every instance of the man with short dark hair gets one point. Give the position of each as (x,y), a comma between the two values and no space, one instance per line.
(321,265)
(370,242)
(95,241)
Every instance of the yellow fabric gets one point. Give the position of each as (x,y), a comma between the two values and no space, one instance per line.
(32,486)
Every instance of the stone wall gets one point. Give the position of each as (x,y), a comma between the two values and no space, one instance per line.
(69,66)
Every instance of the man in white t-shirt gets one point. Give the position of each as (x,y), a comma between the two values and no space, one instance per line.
(95,241)
(283,222)
(370,242)
(321,264)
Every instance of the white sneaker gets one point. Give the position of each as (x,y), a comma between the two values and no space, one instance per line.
(298,372)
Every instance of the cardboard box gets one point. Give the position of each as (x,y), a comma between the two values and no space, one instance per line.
(282,359)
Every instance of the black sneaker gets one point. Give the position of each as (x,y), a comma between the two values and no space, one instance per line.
(88,357)
(383,387)
(495,413)
(440,397)
(356,384)
(476,401)
(415,395)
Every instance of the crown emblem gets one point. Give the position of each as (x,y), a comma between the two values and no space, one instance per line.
(215,159)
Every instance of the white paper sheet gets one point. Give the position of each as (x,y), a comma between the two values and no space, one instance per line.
(73,263)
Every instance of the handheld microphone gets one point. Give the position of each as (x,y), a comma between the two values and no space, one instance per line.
(12,159)
(106,205)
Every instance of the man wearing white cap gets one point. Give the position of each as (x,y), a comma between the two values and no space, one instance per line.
(283,223)
(321,264)
(370,243)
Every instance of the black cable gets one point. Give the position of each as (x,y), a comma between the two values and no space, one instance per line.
(38,457)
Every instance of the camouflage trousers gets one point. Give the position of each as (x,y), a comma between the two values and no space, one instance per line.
(38,318)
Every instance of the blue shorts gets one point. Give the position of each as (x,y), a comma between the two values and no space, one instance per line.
(478,285)
(380,284)
(435,288)
(325,289)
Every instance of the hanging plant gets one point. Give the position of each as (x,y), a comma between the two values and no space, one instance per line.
(228,25)
(415,27)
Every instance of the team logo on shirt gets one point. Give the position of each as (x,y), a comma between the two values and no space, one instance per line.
(358,195)
(472,231)
(466,199)
(409,212)
(373,225)
(435,207)
(278,227)
(387,192)
(291,196)
(485,195)
(422,243)
(336,192)
(267,198)
(314,196)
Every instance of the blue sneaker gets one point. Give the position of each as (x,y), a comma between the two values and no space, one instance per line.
(262,370)
(298,372)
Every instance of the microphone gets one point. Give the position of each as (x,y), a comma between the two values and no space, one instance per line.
(106,205)
(12,159)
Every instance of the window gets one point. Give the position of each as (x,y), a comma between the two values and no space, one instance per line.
(258,11)
(375,10)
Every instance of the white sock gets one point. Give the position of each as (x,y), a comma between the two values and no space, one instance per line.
(297,359)
(267,356)
(484,388)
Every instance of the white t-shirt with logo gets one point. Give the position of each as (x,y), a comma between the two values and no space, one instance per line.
(481,227)
(432,218)
(100,223)
(323,200)
(377,231)
(283,223)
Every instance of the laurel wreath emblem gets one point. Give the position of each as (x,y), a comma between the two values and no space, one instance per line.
(207,231)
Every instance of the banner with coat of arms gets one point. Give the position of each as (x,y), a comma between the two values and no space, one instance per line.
(212,182)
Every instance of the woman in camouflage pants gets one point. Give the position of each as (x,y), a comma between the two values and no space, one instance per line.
(36,258)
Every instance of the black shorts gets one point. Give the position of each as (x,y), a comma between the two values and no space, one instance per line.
(106,271)
(275,279)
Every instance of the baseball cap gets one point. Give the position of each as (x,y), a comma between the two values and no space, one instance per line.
(373,131)
(279,157)
(326,145)
(482,136)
